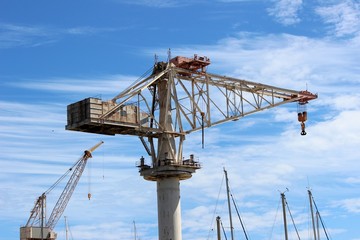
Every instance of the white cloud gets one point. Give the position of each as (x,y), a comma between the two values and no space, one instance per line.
(107,230)
(286,12)
(286,60)
(352,180)
(20,35)
(351,205)
(344,17)
(158,3)
(345,102)
(16,35)
(87,30)
(92,85)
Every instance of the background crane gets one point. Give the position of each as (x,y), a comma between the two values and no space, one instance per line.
(176,98)
(37,226)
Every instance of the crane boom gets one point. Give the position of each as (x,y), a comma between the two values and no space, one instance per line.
(65,196)
(198,100)
(37,219)
(220,98)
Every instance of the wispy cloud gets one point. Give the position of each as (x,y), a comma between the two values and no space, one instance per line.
(16,35)
(286,11)
(86,30)
(158,3)
(351,205)
(93,85)
(286,60)
(342,17)
(21,35)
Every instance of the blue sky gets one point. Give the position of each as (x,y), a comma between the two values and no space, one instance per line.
(54,53)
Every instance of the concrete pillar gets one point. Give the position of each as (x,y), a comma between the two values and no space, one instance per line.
(169,209)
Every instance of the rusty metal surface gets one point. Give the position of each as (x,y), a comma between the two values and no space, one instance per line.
(192,64)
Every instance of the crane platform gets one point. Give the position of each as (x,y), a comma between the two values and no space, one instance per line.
(32,232)
(168,167)
(86,116)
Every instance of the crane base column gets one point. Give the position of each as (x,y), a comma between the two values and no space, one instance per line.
(168,178)
(169,208)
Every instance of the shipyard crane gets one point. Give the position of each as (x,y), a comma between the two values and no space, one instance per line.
(176,98)
(37,226)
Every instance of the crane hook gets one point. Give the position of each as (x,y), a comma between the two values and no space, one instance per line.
(303,133)
(302,117)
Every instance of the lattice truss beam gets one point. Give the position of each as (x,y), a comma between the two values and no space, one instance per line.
(200,100)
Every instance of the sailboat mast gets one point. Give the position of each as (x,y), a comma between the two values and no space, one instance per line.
(66,229)
(312,214)
(318,224)
(218,228)
(229,206)
(134,230)
(283,201)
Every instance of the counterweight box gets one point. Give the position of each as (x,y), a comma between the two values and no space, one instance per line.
(86,116)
